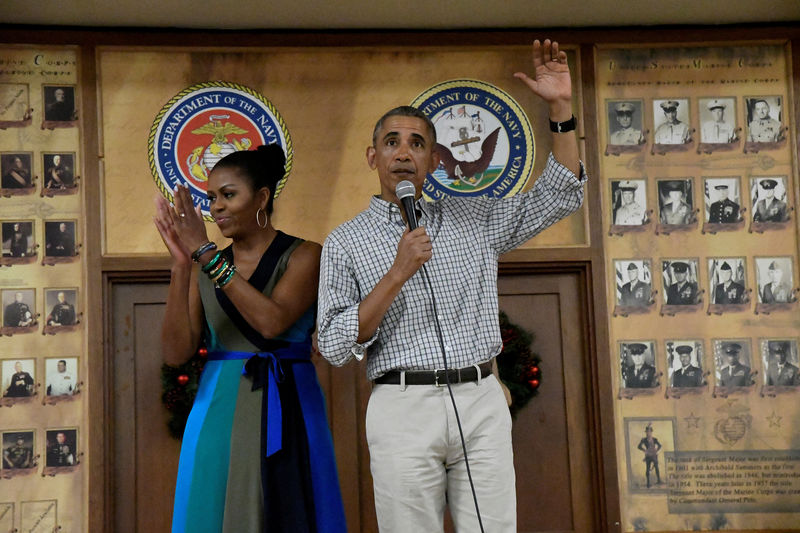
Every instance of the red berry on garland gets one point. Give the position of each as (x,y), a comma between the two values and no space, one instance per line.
(535,370)
(534,383)
(183,379)
(202,352)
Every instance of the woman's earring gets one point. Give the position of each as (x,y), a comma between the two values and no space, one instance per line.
(258,220)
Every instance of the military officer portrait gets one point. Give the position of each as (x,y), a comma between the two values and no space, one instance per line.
(61,304)
(18,239)
(61,447)
(18,450)
(780,358)
(633,283)
(718,120)
(15,170)
(675,202)
(769,199)
(764,119)
(732,359)
(637,363)
(19,377)
(19,308)
(625,123)
(629,202)
(727,279)
(680,281)
(774,279)
(722,200)
(59,238)
(671,119)
(62,376)
(684,363)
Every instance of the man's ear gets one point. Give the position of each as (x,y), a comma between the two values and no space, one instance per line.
(371,157)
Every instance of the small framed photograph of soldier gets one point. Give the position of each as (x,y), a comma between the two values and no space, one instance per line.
(59,103)
(723,200)
(15,108)
(675,202)
(685,363)
(628,202)
(717,120)
(17,172)
(637,360)
(775,280)
(681,281)
(59,172)
(625,122)
(647,440)
(62,376)
(18,450)
(19,308)
(18,241)
(768,194)
(671,120)
(728,281)
(733,363)
(780,359)
(633,283)
(62,447)
(19,377)
(764,119)
(59,238)
(38,515)
(61,306)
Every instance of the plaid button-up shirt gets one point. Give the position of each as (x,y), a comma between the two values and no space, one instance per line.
(468,235)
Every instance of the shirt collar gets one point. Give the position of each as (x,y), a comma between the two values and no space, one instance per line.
(390,212)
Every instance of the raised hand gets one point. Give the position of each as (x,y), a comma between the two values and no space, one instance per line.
(551,79)
(166,228)
(187,219)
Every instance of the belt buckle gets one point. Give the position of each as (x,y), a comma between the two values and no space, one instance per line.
(436,377)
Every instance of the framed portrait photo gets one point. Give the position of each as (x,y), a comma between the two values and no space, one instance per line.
(779,359)
(625,122)
(775,278)
(60,238)
(647,440)
(18,449)
(676,201)
(685,363)
(768,196)
(59,171)
(722,200)
(733,363)
(727,280)
(764,119)
(638,366)
(61,376)
(18,239)
(717,120)
(59,103)
(628,202)
(18,377)
(19,307)
(62,447)
(16,169)
(681,281)
(671,118)
(60,304)
(633,283)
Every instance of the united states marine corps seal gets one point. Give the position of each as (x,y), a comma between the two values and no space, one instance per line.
(485,140)
(202,124)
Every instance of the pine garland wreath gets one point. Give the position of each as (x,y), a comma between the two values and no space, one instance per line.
(179,387)
(519,368)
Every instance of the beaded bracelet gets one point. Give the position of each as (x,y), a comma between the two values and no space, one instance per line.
(210,265)
(227,279)
(210,245)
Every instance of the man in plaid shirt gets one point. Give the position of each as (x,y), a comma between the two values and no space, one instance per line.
(374,299)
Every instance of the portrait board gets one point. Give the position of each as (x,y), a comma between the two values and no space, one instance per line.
(18,238)
(727,280)
(780,361)
(61,376)
(768,196)
(19,307)
(15,101)
(628,202)
(733,362)
(18,377)
(671,118)
(19,449)
(764,118)
(717,120)
(60,238)
(675,201)
(59,170)
(638,364)
(16,169)
(62,447)
(684,362)
(722,200)
(625,122)
(633,282)
(680,278)
(59,103)
(646,442)
(775,279)
(61,304)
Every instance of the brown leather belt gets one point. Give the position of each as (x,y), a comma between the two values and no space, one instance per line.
(436,377)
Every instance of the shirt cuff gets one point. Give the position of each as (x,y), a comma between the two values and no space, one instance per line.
(359,349)
(560,177)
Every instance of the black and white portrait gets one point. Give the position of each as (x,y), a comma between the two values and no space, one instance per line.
(732,362)
(59,103)
(59,170)
(18,449)
(62,375)
(60,304)
(18,240)
(780,359)
(727,280)
(19,377)
(764,119)
(775,279)
(62,449)
(680,279)
(59,238)
(685,363)
(723,200)
(637,364)
(676,206)
(768,194)
(647,441)
(625,123)
(671,119)
(633,282)
(629,202)
(717,120)
(19,307)
(16,169)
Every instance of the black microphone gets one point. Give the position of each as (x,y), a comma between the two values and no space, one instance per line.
(405,192)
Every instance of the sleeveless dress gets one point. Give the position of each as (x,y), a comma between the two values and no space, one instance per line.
(257,454)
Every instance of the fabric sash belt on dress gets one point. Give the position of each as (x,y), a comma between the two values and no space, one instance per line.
(266,372)
(437,377)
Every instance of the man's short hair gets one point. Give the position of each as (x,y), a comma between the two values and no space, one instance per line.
(404,111)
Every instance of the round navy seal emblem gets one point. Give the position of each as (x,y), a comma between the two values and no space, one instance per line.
(202,124)
(485,140)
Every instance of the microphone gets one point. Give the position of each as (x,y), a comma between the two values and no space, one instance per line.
(405,191)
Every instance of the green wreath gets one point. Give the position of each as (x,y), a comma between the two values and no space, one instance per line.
(520,370)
